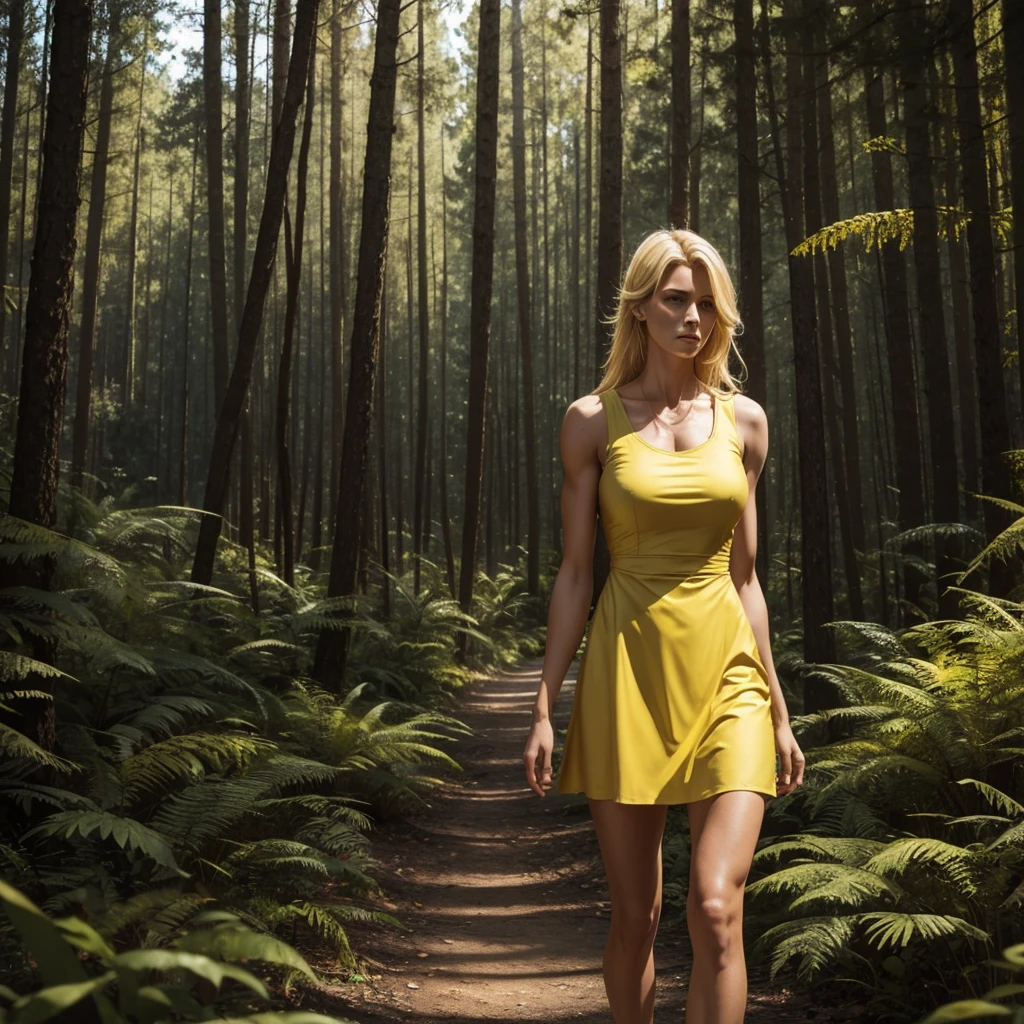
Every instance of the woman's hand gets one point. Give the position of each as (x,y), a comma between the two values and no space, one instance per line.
(791,770)
(537,756)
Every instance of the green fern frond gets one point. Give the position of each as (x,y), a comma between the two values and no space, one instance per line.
(994,796)
(819,882)
(818,942)
(877,228)
(883,144)
(126,832)
(21,666)
(890,928)
(190,756)
(843,849)
(17,745)
(960,864)
(168,713)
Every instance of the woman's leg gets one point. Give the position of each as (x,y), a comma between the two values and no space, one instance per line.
(630,838)
(723,832)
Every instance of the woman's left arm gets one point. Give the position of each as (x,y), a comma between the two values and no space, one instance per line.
(752,427)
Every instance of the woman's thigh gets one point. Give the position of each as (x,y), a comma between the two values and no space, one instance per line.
(630,838)
(723,836)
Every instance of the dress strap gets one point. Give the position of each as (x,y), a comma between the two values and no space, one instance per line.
(615,412)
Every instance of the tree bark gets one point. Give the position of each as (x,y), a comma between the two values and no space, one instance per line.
(93,241)
(609,222)
(481,288)
(213,101)
(749,199)
(332,648)
(1013,47)
(129,375)
(813,44)
(900,350)
(681,117)
(8,122)
(816,550)
(51,285)
(918,113)
(293,262)
(259,283)
(423,310)
(995,425)
(524,304)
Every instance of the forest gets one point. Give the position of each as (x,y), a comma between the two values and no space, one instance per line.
(265,520)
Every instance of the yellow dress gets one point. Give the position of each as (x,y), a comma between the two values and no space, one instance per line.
(672,702)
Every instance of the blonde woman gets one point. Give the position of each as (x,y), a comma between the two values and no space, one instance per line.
(677,700)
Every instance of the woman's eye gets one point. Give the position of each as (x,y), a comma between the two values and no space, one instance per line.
(708,304)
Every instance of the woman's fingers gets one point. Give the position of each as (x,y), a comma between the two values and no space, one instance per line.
(798,767)
(791,770)
(538,767)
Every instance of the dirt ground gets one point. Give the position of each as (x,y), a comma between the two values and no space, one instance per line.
(503,899)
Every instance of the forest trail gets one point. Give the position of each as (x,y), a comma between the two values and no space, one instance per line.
(503,898)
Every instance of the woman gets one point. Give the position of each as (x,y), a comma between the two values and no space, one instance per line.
(677,700)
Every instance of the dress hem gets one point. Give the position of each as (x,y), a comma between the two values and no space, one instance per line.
(674,802)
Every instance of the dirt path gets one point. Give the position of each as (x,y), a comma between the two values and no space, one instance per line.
(503,898)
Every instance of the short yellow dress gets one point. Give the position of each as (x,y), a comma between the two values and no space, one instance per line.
(672,702)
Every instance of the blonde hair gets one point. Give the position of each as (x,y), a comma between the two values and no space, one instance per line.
(656,254)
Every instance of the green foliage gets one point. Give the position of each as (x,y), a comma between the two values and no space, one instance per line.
(77,964)
(877,228)
(195,765)
(986,1006)
(900,862)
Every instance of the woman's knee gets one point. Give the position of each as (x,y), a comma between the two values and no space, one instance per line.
(636,923)
(714,918)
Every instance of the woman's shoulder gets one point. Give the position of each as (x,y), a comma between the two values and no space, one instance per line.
(751,426)
(585,424)
(747,409)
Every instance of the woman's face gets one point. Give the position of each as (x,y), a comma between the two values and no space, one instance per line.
(681,313)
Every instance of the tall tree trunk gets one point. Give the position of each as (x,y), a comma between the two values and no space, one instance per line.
(51,284)
(213,102)
(749,198)
(332,648)
(381,431)
(900,351)
(186,348)
(1013,47)
(243,102)
(609,223)
(423,304)
(481,288)
(8,123)
(259,283)
(816,550)
(336,245)
(813,44)
(93,241)
(995,424)
(47,317)
(918,112)
(241,153)
(293,262)
(524,304)
(829,183)
(446,526)
(130,374)
(679,197)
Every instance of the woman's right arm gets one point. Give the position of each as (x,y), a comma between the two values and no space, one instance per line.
(574,584)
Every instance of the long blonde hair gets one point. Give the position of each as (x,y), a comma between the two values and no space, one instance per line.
(655,254)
